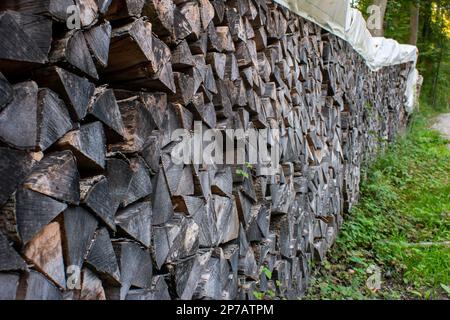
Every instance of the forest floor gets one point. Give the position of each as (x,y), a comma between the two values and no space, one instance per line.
(396,243)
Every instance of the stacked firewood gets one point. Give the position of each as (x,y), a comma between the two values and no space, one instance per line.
(92,205)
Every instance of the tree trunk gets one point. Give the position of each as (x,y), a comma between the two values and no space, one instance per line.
(414,23)
(378,30)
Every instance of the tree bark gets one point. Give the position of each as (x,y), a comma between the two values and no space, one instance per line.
(379,32)
(414,22)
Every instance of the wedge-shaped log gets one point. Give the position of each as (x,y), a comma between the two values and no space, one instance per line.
(98,40)
(76,91)
(135,221)
(140,185)
(159,291)
(78,228)
(136,269)
(35,286)
(56,176)
(56,9)
(18,51)
(14,168)
(10,260)
(102,259)
(104,107)
(95,195)
(88,145)
(73,50)
(162,204)
(44,251)
(9,283)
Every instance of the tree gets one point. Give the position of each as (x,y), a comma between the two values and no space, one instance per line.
(414,22)
(378,30)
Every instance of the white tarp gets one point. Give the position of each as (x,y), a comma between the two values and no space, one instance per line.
(339,18)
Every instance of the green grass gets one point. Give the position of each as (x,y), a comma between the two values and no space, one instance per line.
(404,204)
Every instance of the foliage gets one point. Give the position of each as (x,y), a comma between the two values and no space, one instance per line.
(433,42)
(401,226)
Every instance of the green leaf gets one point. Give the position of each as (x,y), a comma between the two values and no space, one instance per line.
(446,289)
(258,295)
(267,272)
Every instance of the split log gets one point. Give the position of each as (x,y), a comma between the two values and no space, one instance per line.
(28,212)
(140,185)
(118,175)
(56,9)
(88,146)
(10,260)
(161,13)
(104,107)
(98,39)
(14,168)
(72,50)
(74,90)
(37,27)
(121,9)
(44,251)
(9,283)
(91,286)
(159,291)
(135,221)
(102,259)
(162,204)
(56,176)
(88,12)
(186,274)
(35,286)
(95,195)
(18,51)
(6,92)
(78,229)
(136,269)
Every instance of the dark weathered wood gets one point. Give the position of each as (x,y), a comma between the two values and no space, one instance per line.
(9,283)
(18,51)
(140,185)
(102,259)
(120,9)
(118,175)
(21,114)
(56,9)
(161,14)
(136,269)
(6,92)
(98,39)
(74,90)
(14,168)
(95,195)
(88,146)
(56,176)
(78,229)
(88,12)
(44,251)
(162,204)
(104,107)
(37,27)
(186,274)
(31,211)
(135,220)
(159,291)
(34,286)
(73,51)
(10,260)
(53,119)
(91,286)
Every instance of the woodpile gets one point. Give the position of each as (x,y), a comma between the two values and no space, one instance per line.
(91,204)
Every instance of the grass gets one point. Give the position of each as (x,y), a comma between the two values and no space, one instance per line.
(398,229)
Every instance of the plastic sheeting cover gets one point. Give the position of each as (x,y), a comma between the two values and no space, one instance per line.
(337,17)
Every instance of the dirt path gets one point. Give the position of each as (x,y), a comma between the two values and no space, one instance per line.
(443,124)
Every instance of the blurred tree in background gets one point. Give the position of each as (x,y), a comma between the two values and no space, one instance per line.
(425,23)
